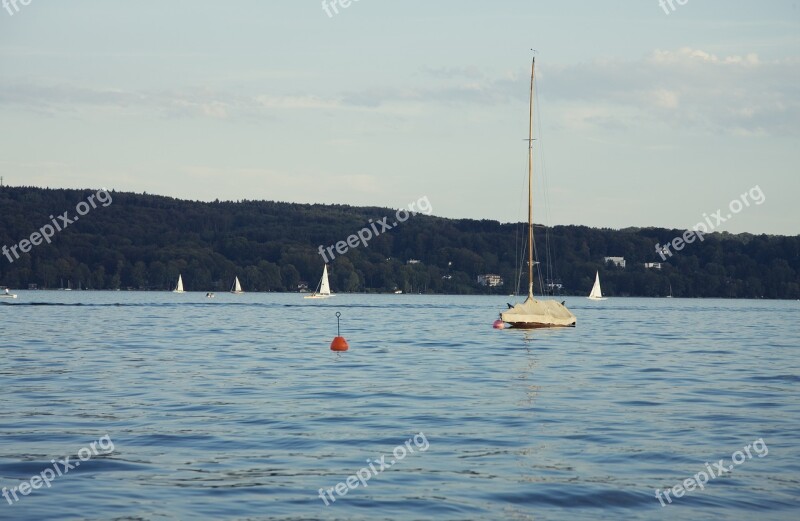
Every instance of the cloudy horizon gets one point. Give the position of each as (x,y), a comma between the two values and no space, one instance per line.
(646,118)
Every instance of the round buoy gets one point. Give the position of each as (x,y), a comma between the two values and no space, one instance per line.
(499,324)
(339,343)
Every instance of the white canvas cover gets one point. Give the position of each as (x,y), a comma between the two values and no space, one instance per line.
(539,313)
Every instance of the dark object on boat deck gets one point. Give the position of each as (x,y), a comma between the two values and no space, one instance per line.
(509,306)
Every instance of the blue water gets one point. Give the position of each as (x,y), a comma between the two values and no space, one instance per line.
(235,408)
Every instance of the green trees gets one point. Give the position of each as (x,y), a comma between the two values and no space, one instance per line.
(144,241)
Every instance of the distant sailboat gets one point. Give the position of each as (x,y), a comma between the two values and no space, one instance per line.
(236,288)
(670,291)
(324,288)
(535,313)
(179,287)
(596,294)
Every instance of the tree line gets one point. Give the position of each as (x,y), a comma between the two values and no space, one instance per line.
(143,242)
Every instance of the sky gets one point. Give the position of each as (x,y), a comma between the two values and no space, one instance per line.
(646,115)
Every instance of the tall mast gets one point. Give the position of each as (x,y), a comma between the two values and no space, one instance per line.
(530,188)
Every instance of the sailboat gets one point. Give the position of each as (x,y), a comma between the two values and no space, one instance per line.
(670,291)
(596,294)
(236,289)
(6,293)
(179,287)
(535,313)
(324,288)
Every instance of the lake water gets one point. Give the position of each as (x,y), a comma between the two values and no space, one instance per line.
(235,408)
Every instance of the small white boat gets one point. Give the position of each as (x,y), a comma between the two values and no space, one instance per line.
(179,287)
(236,289)
(596,293)
(209,295)
(324,288)
(5,293)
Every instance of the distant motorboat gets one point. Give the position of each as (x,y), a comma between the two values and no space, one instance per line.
(236,289)
(398,292)
(6,293)
(210,295)
(324,288)
(179,287)
(596,294)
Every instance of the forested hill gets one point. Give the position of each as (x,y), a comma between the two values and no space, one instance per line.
(144,241)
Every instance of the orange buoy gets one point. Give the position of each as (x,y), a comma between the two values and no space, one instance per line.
(499,324)
(339,343)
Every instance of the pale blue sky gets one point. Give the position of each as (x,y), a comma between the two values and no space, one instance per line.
(647,119)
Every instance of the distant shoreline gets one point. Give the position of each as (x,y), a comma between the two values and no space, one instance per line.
(145,242)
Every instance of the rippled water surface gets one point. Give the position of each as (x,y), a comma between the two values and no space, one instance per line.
(235,408)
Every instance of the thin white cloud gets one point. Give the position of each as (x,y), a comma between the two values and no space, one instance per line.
(683,88)
(738,94)
(297,102)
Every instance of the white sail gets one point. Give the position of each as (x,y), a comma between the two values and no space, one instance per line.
(325,287)
(324,290)
(237,287)
(596,293)
(179,287)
